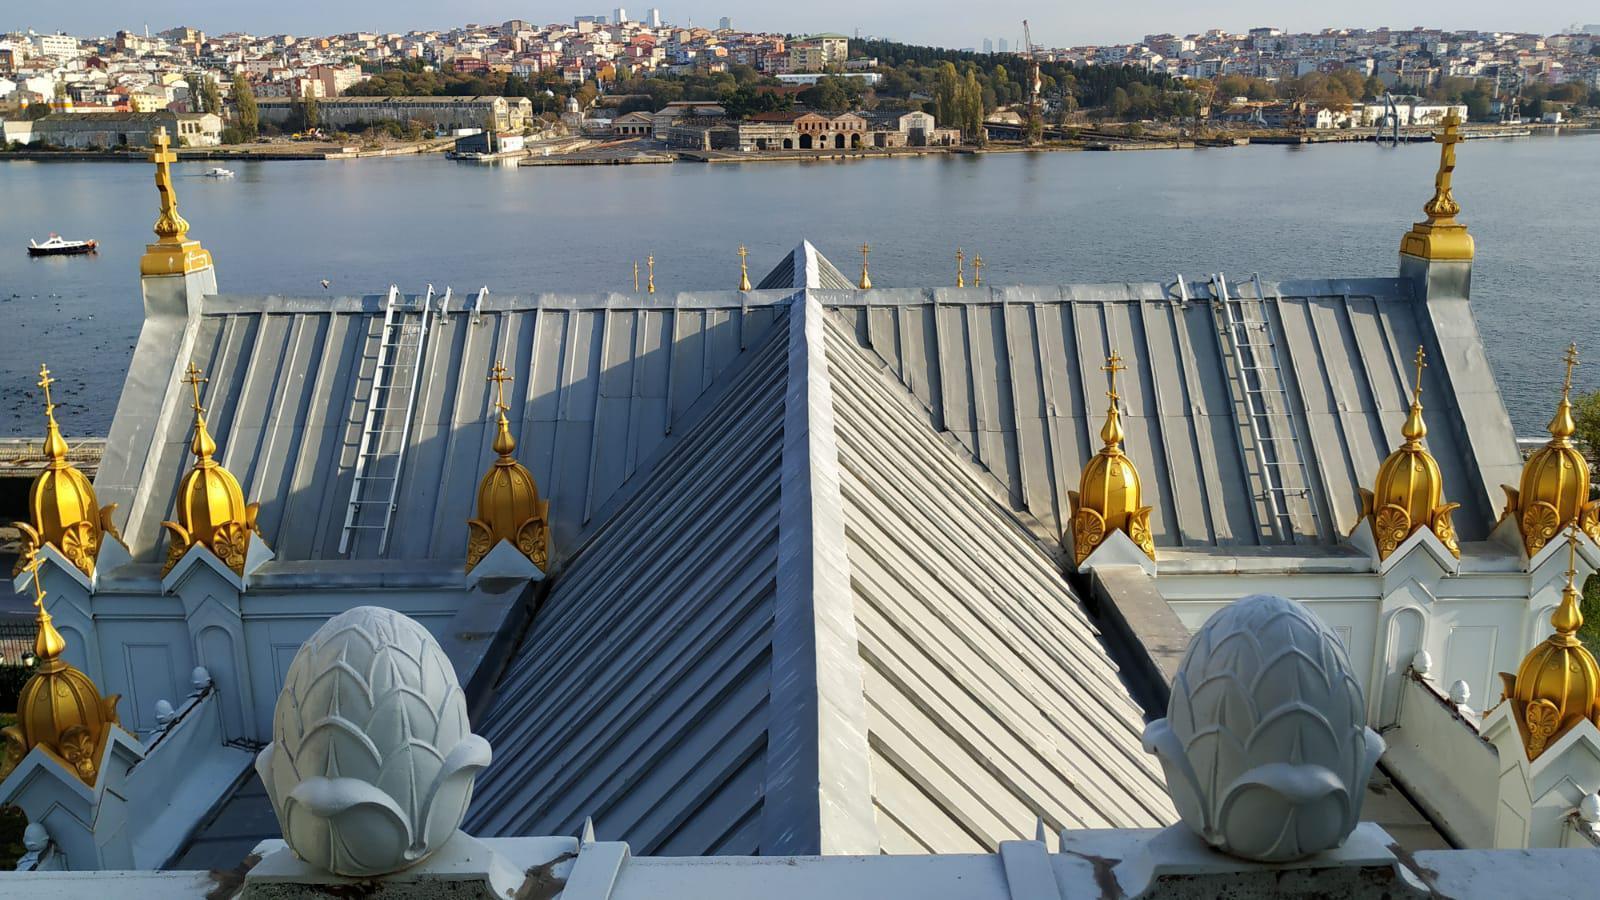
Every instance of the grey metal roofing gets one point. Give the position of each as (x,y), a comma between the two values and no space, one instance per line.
(639,696)
(812,630)
(1013,373)
(602,380)
(805,268)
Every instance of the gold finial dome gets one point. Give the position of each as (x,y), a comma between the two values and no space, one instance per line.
(1108,495)
(211,509)
(509,507)
(1554,491)
(1409,490)
(62,508)
(59,708)
(1558,683)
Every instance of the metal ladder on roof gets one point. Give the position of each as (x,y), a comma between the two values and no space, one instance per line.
(1264,394)
(386,427)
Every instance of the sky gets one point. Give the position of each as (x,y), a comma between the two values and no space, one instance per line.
(948,23)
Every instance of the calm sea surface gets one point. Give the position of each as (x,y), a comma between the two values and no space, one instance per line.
(1533,204)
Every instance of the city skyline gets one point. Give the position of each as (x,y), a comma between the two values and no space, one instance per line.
(957,26)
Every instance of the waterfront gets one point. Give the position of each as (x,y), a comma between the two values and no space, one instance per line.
(1533,205)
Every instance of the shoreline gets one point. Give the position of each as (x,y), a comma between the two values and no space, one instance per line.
(1088,140)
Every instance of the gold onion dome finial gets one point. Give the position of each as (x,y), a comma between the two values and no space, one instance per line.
(62,509)
(211,510)
(59,708)
(509,507)
(172,253)
(1441,236)
(1554,491)
(1409,491)
(1108,498)
(744,270)
(865,283)
(1558,683)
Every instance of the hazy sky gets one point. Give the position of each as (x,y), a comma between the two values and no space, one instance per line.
(952,23)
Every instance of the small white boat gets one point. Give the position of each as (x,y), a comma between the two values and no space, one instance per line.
(219,172)
(57,246)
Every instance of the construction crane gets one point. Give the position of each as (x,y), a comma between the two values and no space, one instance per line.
(1034,128)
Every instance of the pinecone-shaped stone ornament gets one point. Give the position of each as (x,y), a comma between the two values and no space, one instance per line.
(1265,744)
(372,758)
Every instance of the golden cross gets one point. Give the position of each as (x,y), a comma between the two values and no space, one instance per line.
(865,250)
(636,276)
(499,377)
(651,262)
(32,568)
(961,274)
(1421,364)
(194,379)
(977,271)
(742,254)
(162,143)
(1113,366)
(1571,358)
(44,382)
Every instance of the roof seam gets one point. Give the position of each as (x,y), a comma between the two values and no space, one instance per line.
(818,792)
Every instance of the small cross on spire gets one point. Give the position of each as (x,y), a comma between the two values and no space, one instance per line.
(498,376)
(1422,363)
(44,382)
(1113,366)
(194,379)
(1571,359)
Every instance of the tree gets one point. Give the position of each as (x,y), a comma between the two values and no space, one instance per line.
(946,104)
(972,109)
(210,96)
(308,109)
(244,105)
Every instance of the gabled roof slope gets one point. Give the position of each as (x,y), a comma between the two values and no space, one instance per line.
(599,384)
(1013,373)
(639,696)
(811,630)
(805,267)
(990,700)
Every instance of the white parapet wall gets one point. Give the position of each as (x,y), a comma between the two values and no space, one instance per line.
(1437,755)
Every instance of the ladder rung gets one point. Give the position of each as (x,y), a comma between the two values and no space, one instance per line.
(376,477)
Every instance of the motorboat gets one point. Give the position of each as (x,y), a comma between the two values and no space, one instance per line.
(219,172)
(55,245)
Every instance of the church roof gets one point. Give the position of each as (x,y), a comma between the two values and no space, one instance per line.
(811,629)
(1008,374)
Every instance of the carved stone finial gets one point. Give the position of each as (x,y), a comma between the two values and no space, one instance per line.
(372,758)
(1265,744)
(1422,664)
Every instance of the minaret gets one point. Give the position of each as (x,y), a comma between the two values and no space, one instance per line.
(1108,495)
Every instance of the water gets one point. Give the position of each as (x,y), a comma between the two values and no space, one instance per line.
(1338,210)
